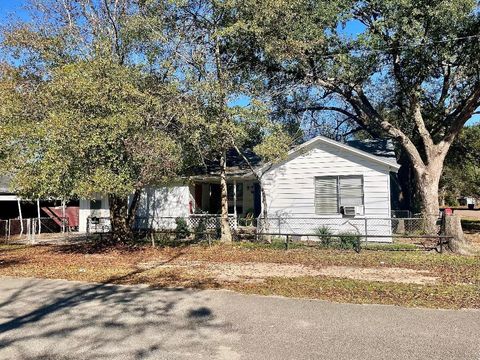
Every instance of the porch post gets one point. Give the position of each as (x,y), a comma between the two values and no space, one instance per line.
(20,216)
(63,215)
(38,216)
(235,200)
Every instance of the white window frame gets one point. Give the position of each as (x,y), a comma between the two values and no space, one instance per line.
(337,177)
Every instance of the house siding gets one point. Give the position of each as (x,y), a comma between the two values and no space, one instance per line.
(158,207)
(290,189)
(155,204)
(85,212)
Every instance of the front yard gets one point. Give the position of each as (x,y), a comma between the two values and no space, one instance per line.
(407,278)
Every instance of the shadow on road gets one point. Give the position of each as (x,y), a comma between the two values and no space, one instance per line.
(57,319)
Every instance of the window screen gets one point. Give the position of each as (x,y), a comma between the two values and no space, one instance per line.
(351,190)
(331,192)
(326,195)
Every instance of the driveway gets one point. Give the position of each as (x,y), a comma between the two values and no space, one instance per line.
(56,319)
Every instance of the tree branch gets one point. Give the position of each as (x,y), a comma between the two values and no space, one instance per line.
(326,108)
(462,113)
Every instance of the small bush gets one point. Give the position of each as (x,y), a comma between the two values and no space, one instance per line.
(324,233)
(200,230)
(181,231)
(348,240)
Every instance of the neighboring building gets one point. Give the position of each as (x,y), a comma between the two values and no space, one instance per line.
(50,211)
(468,201)
(321,183)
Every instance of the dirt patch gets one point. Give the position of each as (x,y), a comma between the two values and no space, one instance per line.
(257,272)
(397,275)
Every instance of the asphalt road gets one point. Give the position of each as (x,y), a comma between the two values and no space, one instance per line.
(54,319)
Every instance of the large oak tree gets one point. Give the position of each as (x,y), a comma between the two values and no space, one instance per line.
(410,71)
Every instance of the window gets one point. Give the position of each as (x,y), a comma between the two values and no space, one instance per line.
(239,209)
(333,192)
(239,191)
(95,204)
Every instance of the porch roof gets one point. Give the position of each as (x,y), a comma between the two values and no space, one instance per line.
(237,167)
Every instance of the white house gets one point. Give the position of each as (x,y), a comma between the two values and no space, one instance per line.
(321,183)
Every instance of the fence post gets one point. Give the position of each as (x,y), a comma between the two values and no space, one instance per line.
(20,216)
(38,217)
(29,230)
(366,230)
(33,231)
(286,242)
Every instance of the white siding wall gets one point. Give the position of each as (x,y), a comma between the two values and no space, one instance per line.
(164,202)
(290,189)
(85,212)
(154,204)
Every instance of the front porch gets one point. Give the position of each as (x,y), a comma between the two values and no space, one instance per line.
(244,199)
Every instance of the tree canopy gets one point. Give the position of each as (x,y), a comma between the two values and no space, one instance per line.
(112,96)
(461,176)
(411,73)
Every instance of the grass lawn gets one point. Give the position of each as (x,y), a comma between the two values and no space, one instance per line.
(407,278)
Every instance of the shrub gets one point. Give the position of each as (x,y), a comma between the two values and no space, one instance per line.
(181,231)
(325,235)
(348,240)
(200,230)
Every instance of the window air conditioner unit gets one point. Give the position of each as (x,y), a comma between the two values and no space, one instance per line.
(353,210)
(349,211)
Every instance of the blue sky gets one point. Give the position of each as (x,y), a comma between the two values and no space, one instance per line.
(9,7)
(14,7)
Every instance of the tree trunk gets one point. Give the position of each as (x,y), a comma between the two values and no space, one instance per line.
(226,233)
(121,232)
(132,211)
(428,180)
(453,227)
(266,223)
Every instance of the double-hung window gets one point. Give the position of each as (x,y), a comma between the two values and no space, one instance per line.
(334,192)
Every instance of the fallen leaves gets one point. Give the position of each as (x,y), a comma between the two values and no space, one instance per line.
(343,276)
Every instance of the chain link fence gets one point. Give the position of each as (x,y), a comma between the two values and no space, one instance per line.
(345,231)
(380,229)
(96,225)
(31,229)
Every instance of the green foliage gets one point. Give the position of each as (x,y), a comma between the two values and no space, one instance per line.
(461,176)
(409,72)
(102,130)
(324,235)
(348,240)
(181,231)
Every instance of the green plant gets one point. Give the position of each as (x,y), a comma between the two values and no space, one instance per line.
(181,231)
(348,240)
(324,233)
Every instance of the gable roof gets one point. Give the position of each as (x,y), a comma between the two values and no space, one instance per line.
(382,148)
(378,151)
